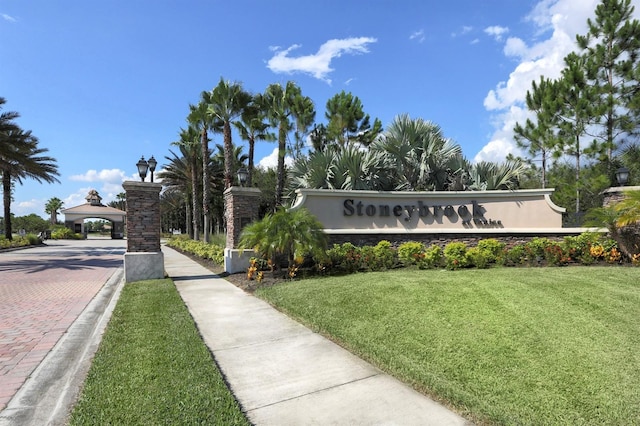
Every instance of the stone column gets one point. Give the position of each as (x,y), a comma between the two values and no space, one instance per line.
(241,207)
(143,259)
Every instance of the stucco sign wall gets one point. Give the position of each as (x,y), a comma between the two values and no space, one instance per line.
(432,212)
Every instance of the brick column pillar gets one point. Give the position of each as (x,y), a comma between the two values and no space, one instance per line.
(241,207)
(143,260)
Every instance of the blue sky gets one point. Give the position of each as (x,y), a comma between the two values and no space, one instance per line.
(102,83)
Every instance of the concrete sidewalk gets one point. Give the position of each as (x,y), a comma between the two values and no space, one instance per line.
(284,374)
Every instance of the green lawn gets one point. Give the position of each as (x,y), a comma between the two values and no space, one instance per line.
(517,346)
(153,368)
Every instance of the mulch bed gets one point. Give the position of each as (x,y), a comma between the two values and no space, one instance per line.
(239,279)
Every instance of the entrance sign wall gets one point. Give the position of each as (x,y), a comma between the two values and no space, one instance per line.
(466,212)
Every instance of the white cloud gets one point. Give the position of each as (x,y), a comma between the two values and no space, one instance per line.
(104,175)
(417,35)
(8,17)
(318,64)
(556,23)
(465,29)
(271,161)
(496,31)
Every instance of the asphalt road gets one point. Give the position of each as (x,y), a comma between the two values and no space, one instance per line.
(43,292)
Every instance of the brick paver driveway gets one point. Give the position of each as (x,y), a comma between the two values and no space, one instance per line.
(42,292)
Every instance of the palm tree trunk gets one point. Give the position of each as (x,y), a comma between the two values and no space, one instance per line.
(194,200)
(6,198)
(252,143)
(282,148)
(205,185)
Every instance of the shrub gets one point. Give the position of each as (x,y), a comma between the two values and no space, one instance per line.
(536,249)
(492,248)
(411,252)
(556,255)
(432,258)
(209,251)
(455,255)
(516,255)
(385,255)
(346,257)
(65,234)
(480,258)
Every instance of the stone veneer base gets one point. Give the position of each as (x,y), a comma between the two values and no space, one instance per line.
(140,266)
(237,260)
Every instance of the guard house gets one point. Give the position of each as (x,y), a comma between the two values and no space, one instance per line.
(74,217)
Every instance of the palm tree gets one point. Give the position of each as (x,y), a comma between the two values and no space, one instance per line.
(184,172)
(422,156)
(6,121)
(629,209)
(200,119)
(21,159)
(486,175)
(292,233)
(336,167)
(52,207)
(252,127)
(280,105)
(622,219)
(237,157)
(120,202)
(226,104)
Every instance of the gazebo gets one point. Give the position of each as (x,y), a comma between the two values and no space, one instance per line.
(74,216)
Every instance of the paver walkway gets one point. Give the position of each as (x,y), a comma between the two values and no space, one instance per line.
(42,292)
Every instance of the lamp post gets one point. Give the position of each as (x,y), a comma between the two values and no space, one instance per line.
(243,176)
(152,166)
(144,166)
(622,176)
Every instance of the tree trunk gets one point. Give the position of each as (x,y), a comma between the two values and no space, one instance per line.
(6,198)
(252,143)
(194,200)
(205,186)
(282,149)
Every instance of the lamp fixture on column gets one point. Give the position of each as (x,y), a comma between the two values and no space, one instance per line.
(622,176)
(243,176)
(144,166)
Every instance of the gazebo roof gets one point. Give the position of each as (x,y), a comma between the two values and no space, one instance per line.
(93,208)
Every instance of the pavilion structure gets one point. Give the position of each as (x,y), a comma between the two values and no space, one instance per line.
(74,217)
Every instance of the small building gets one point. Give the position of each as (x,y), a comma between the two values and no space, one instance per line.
(74,217)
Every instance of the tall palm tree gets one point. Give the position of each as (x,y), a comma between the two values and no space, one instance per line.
(176,178)
(226,105)
(200,119)
(21,158)
(185,171)
(280,103)
(237,157)
(252,127)
(52,208)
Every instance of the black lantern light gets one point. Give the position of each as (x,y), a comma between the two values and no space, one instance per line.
(622,176)
(143,166)
(243,176)
(152,166)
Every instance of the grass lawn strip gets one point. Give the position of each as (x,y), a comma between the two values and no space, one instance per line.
(505,346)
(152,367)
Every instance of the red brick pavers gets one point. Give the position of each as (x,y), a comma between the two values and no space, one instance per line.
(42,292)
